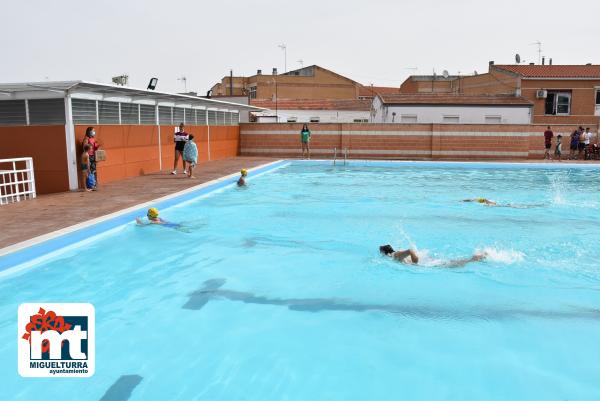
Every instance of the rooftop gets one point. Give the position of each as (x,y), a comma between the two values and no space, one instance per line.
(366,90)
(444,98)
(313,104)
(553,71)
(57,89)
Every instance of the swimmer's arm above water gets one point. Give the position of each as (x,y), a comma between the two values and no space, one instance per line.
(401,255)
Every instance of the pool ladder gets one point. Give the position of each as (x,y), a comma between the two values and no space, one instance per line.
(335,155)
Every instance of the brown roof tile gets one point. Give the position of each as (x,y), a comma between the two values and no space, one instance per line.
(313,104)
(366,90)
(436,99)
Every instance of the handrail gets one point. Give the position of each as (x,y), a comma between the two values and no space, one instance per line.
(334,155)
(345,155)
(17,184)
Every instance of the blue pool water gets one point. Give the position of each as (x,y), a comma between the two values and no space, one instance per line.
(277,291)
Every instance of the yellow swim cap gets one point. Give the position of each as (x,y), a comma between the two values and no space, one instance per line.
(244,172)
(481,200)
(153,212)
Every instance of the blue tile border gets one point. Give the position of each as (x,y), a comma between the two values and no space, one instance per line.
(25,255)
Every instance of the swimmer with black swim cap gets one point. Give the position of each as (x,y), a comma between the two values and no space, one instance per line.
(401,256)
(411,257)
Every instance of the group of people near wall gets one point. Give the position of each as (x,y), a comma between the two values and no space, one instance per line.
(580,145)
(185,148)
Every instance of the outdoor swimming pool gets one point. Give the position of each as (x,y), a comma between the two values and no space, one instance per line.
(277,291)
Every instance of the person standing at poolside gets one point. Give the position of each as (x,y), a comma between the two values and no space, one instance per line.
(548,134)
(190,155)
(558,150)
(587,137)
(581,146)
(574,144)
(305,140)
(93,146)
(180,138)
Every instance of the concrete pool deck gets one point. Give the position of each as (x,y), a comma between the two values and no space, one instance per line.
(22,221)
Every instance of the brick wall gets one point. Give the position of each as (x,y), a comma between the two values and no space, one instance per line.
(401,141)
(46,144)
(133,150)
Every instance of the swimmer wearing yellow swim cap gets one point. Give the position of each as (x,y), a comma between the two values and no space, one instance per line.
(242,182)
(484,201)
(152,213)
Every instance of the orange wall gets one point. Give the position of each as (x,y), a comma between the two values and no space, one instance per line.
(133,150)
(47,146)
(401,141)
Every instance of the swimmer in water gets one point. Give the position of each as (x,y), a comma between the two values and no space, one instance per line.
(242,181)
(410,256)
(484,201)
(153,218)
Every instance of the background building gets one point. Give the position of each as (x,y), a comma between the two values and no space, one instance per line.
(450,109)
(560,94)
(313,111)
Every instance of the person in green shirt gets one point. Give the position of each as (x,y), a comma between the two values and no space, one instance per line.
(305,139)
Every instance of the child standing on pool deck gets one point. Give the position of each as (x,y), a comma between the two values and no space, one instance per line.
(190,155)
(558,150)
(85,167)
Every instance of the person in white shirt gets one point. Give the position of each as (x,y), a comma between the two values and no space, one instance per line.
(587,138)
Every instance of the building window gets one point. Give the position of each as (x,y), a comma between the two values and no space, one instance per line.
(292,119)
(558,103)
(315,119)
(408,118)
(130,113)
(84,111)
(12,112)
(361,120)
(451,120)
(253,92)
(598,102)
(147,114)
(493,119)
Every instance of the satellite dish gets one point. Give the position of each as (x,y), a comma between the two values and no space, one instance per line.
(445,74)
(518,58)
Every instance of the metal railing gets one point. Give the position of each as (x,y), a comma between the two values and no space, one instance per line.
(334,155)
(17,181)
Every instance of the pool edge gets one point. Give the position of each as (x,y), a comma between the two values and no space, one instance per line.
(25,252)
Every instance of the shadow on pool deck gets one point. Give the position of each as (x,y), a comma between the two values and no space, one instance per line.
(25,220)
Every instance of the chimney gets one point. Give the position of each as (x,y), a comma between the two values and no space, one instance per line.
(491,63)
(230,82)
(543,60)
(258,72)
(274,71)
(550,61)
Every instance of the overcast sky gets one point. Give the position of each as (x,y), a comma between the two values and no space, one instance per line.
(376,41)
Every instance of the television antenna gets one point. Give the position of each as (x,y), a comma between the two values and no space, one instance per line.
(284,48)
(184,80)
(301,62)
(539,45)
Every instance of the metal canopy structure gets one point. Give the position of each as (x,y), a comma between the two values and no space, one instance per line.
(38,90)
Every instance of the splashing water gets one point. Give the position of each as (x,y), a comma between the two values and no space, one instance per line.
(558,182)
(506,256)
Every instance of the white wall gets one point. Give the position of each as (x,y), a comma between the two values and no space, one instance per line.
(325,116)
(467,114)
